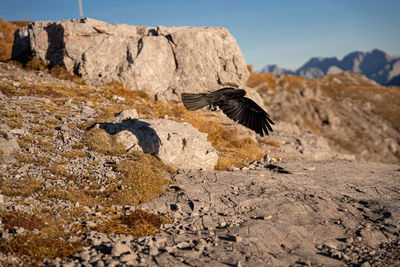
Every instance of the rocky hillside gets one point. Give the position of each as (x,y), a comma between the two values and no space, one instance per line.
(375,65)
(355,114)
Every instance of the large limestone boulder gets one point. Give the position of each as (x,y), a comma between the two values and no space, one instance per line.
(178,144)
(161,61)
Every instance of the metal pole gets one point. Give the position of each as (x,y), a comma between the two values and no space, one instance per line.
(80,8)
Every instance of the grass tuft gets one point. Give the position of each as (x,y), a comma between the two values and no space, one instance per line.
(35,64)
(17,219)
(139,223)
(23,187)
(143,176)
(100,141)
(38,248)
(61,72)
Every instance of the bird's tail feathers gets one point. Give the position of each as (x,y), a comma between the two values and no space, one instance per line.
(194,101)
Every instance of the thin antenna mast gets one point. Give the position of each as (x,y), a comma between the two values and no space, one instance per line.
(80,8)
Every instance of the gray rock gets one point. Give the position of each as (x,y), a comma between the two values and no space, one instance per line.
(87,111)
(178,144)
(190,254)
(119,248)
(9,146)
(127,114)
(128,257)
(3,96)
(161,61)
(16,84)
(18,131)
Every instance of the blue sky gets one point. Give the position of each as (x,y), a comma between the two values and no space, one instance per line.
(283,32)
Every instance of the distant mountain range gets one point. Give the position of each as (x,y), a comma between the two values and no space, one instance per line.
(376,65)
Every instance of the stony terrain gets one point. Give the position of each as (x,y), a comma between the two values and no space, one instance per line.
(285,209)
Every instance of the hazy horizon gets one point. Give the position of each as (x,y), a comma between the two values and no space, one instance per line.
(286,33)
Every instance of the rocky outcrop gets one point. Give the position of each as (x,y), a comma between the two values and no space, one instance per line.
(178,144)
(161,61)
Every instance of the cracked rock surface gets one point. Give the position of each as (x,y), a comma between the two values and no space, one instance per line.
(318,213)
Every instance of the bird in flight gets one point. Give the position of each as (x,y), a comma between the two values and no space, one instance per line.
(233,104)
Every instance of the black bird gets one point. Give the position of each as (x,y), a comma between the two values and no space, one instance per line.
(235,105)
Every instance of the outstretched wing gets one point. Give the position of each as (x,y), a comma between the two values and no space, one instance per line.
(248,113)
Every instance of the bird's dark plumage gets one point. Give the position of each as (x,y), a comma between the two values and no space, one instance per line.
(235,105)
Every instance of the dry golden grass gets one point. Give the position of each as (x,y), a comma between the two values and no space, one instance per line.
(12,118)
(98,140)
(261,80)
(50,91)
(25,158)
(41,130)
(143,176)
(35,64)
(25,141)
(23,187)
(49,243)
(117,88)
(17,219)
(270,142)
(61,72)
(139,223)
(38,248)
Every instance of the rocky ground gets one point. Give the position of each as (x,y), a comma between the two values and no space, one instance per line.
(66,202)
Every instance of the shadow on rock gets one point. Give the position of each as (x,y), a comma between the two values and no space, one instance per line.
(133,133)
(56,44)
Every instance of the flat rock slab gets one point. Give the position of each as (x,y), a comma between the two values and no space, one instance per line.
(332,213)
